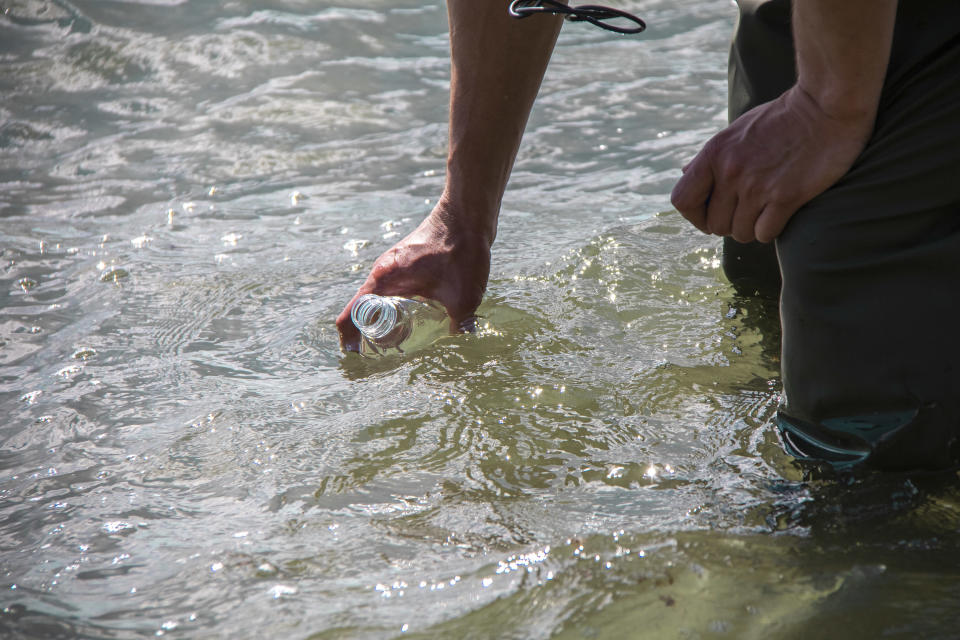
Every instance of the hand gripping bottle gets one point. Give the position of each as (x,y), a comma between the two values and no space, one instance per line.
(391,324)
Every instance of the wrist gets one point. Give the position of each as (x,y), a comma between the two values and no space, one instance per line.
(846,122)
(839,102)
(468,219)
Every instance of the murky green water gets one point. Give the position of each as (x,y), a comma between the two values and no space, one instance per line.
(189,193)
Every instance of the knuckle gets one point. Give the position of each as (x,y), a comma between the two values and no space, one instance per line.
(749,188)
(713,145)
(779,195)
(728,169)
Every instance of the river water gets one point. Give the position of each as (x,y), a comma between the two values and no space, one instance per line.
(189,193)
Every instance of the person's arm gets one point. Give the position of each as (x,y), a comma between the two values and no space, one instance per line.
(754,175)
(497,64)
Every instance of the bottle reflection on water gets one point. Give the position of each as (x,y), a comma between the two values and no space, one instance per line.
(390,324)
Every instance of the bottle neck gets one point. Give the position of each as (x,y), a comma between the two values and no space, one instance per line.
(375,316)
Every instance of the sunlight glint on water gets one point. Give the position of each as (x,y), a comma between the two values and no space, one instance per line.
(190,193)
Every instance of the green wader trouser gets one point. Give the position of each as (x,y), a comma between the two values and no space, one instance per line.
(870,269)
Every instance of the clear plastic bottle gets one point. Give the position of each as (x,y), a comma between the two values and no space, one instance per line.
(390,324)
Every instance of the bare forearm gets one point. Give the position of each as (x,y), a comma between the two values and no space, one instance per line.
(497,65)
(843,47)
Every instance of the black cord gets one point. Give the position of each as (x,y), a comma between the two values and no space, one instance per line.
(594,14)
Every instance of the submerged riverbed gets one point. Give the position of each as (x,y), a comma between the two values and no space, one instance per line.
(189,193)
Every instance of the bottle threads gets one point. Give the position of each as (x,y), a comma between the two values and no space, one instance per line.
(375,316)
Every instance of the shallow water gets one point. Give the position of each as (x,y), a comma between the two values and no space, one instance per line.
(189,193)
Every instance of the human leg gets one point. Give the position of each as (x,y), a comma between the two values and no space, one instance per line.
(871,271)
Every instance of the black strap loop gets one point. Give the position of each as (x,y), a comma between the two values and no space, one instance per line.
(594,14)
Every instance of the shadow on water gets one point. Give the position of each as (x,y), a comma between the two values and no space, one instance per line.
(849,545)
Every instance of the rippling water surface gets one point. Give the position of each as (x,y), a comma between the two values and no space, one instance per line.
(191,190)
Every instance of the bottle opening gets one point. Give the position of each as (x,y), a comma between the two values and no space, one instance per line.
(375,316)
